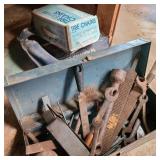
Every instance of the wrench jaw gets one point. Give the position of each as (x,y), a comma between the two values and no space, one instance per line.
(142,84)
(111,94)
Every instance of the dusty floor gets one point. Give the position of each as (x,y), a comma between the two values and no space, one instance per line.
(134,21)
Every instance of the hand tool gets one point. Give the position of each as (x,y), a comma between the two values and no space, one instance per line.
(142,147)
(78,124)
(62,112)
(99,122)
(71,120)
(78,72)
(63,134)
(89,138)
(67,138)
(132,136)
(34,50)
(119,112)
(116,145)
(141,101)
(89,95)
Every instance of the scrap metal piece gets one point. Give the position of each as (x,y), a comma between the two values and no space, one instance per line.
(67,138)
(40,147)
(119,113)
(89,95)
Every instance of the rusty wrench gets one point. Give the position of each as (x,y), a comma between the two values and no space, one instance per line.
(99,122)
(89,95)
(131,138)
(141,102)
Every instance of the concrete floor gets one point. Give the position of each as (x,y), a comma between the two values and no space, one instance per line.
(134,21)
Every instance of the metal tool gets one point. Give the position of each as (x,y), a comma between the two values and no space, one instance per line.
(62,112)
(89,95)
(132,136)
(101,120)
(78,124)
(67,138)
(78,72)
(141,102)
(119,112)
(89,138)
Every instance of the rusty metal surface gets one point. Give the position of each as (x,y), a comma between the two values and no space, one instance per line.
(67,138)
(118,117)
(40,147)
(28,102)
(87,96)
(141,101)
(132,136)
(99,123)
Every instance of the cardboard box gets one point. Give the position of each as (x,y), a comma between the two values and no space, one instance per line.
(65,27)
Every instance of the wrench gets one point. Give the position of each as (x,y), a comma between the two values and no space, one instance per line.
(142,101)
(89,95)
(131,138)
(100,121)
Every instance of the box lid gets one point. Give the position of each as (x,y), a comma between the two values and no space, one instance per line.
(60,13)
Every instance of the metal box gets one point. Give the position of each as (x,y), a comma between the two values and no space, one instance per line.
(25,89)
